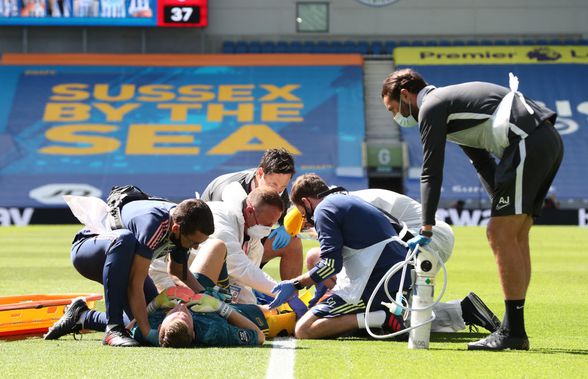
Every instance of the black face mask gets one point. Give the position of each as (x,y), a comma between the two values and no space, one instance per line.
(309,216)
(176,241)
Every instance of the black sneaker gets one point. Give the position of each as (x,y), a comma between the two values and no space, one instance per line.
(500,340)
(68,323)
(475,312)
(119,336)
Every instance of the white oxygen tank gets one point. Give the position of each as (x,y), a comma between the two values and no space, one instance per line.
(422,297)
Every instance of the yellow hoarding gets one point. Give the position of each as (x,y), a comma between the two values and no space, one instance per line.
(490,55)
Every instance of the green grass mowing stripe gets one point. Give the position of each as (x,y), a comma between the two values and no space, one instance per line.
(36,259)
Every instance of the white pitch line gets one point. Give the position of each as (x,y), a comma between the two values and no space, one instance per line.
(281,362)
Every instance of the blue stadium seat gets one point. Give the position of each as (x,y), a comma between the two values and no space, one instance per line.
(472,42)
(254,47)
(336,47)
(457,42)
(500,42)
(241,47)
(432,43)
(389,46)
(514,42)
(446,42)
(418,42)
(268,47)
(378,48)
(363,47)
(542,42)
(228,47)
(295,47)
(281,47)
(486,42)
(555,42)
(322,47)
(583,42)
(529,42)
(350,47)
(404,43)
(308,47)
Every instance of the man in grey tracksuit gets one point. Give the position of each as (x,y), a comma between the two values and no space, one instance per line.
(488,122)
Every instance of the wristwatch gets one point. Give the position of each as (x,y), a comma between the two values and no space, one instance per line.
(297,285)
(426,233)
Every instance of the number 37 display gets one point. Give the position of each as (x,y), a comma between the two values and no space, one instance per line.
(144,13)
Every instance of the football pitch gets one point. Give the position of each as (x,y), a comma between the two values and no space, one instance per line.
(35,259)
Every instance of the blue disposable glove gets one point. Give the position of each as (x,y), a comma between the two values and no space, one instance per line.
(284,291)
(153,337)
(297,306)
(319,290)
(418,240)
(281,238)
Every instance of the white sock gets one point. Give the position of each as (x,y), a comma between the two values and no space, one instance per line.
(376,319)
(81,318)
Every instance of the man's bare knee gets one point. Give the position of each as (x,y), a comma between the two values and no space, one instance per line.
(302,330)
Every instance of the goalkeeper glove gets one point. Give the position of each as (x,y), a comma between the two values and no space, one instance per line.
(205,303)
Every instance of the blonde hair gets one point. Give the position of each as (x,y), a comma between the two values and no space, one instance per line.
(176,334)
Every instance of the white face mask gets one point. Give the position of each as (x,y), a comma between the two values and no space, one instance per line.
(259,231)
(405,121)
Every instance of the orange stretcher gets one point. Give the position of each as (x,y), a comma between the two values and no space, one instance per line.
(34,314)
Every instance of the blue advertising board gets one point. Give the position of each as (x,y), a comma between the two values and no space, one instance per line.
(171,130)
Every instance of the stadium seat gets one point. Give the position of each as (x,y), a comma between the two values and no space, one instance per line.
(500,42)
(404,43)
(228,47)
(295,47)
(472,42)
(254,47)
(377,48)
(457,42)
(583,42)
(322,47)
(281,47)
(542,42)
(308,47)
(446,42)
(555,42)
(389,47)
(432,43)
(514,42)
(336,47)
(363,47)
(529,42)
(241,47)
(486,42)
(418,42)
(349,47)
(268,47)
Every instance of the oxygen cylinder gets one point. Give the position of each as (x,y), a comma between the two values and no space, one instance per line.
(422,297)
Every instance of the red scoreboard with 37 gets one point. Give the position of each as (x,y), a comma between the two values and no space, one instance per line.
(182,13)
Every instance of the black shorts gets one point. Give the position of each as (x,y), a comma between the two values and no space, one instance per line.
(526,171)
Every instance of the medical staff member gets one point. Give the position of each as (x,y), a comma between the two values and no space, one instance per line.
(275,169)
(488,122)
(120,260)
(353,235)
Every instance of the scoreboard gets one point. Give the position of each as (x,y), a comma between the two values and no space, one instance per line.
(144,13)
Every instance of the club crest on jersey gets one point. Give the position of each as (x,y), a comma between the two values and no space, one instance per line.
(502,203)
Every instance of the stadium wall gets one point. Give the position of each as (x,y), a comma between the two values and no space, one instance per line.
(276,20)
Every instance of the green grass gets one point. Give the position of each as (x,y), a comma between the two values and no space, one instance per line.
(35,259)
